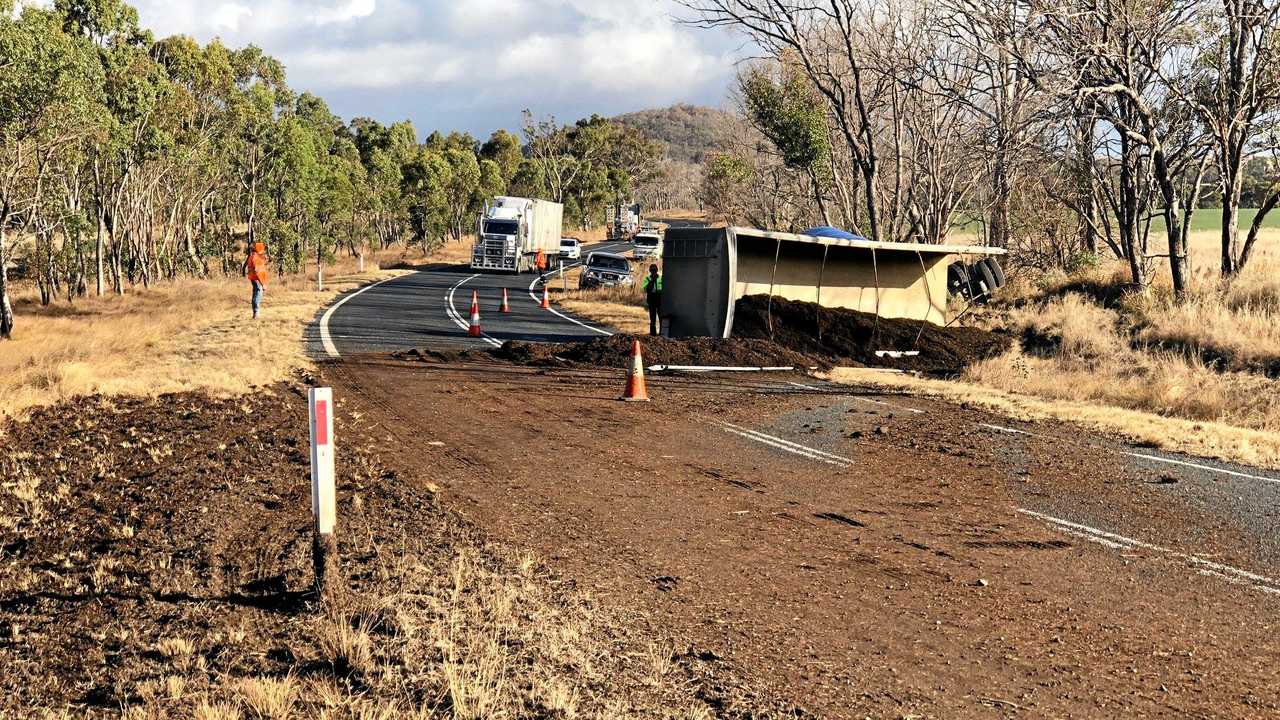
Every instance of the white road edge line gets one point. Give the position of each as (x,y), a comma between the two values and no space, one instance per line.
(788,445)
(1198,466)
(326,340)
(1006,430)
(553,311)
(1260,582)
(452,312)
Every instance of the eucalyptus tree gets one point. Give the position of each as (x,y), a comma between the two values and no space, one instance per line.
(503,149)
(45,84)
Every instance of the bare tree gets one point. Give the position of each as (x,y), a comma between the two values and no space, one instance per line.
(1236,88)
(828,39)
(1123,59)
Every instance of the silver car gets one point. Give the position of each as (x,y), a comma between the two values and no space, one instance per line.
(646,245)
(605,270)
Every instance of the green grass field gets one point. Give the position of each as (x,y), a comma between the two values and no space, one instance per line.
(1211,220)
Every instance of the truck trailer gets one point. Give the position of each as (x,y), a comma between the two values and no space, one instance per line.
(512,230)
(622,220)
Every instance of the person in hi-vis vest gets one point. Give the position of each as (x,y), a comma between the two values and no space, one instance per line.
(255,268)
(653,297)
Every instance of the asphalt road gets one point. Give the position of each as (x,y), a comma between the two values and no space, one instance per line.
(431,309)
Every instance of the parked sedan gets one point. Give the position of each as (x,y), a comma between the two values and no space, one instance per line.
(571,248)
(605,270)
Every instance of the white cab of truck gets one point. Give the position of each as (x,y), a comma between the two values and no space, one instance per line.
(512,230)
(646,245)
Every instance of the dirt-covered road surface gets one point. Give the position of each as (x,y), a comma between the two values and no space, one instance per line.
(862,555)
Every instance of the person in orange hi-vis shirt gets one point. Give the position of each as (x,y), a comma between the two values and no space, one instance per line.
(255,268)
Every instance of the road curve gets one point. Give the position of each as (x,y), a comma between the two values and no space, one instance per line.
(430,309)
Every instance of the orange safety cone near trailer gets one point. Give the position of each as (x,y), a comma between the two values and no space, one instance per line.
(506,307)
(474,330)
(636,391)
(546,299)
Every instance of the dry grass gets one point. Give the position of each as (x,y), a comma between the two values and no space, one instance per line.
(269,698)
(621,307)
(1205,439)
(190,334)
(1182,376)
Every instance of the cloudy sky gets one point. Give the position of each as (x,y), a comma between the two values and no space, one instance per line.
(471,64)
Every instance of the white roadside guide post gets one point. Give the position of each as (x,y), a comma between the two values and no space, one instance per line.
(323,495)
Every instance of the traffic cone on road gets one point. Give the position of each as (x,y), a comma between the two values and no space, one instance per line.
(474,330)
(506,308)
(546,299)
(636,391)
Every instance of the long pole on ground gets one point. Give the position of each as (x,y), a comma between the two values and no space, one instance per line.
(324,512)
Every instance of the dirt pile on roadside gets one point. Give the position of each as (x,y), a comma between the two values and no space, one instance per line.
(615,351)
(157,564)
(852,337)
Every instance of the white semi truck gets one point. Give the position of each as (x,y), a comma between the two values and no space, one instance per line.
(622,220)
(512,230)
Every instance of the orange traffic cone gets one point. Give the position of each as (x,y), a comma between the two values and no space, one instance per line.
(506,308)
(546,299)
(474,330)
(636,391)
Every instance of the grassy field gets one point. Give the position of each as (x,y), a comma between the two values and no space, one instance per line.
(1192,375)
(186,335)
(1205,220)
(1210,220)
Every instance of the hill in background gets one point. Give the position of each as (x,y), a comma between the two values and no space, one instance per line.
(689,131)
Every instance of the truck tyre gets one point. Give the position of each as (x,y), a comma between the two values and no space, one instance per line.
(984,276)
(958,280)
(997,272)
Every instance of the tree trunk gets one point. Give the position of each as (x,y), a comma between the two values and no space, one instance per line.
(1000,191)
(97,252)
(1268,204)
(6,310)
(1231,180)
(1128,221)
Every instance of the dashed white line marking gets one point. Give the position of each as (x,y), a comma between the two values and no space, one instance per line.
(787,445)
(326,340)
(1198,466)
(1113,540)
(453,314)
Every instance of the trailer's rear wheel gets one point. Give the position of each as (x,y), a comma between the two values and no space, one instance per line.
(958,280)
(997,272)
(985,278)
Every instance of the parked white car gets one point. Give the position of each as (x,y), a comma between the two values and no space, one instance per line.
(571,248)
(646,245)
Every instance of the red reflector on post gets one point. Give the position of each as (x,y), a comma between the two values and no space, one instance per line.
(322,422)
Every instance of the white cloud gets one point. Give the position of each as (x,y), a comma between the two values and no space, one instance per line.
(506,54)
(227,16)
(344,12)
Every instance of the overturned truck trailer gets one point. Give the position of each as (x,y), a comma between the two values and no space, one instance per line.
(708,269)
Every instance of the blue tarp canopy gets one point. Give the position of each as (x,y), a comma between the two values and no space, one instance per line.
(827,231)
